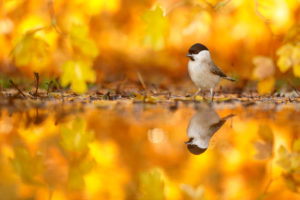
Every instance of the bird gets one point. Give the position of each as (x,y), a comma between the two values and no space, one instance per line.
(202,126)
(205,74)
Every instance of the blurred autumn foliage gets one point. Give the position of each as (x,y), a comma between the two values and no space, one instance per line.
(100,41)
(126,152)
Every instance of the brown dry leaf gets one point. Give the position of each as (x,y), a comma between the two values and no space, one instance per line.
(264,67)
(265,146)
(266,86)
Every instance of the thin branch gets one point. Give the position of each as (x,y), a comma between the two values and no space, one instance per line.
(293,87)
(37,78)
(267,23)
(141,80)
(53,19)
(17,88)
(48,86)
(175,5)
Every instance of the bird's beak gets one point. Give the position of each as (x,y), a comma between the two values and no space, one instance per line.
(190,140)
(189,55)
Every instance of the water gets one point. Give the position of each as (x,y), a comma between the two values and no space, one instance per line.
(120,150)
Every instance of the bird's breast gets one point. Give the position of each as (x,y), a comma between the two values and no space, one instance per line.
(201,75)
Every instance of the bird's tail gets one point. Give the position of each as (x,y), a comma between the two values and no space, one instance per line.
(229,78)
(228,117)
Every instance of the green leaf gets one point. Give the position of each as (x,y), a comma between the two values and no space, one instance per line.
(264,146)
(191,192)
(284,61)
(291,182)
(151,185)
(221,4)
(82,43)
(77,170)
(289,56)
(266,133)
(284,158)
(76,138)
(30,50)
(26,166)
(77,73)
(156,28)
(296,146)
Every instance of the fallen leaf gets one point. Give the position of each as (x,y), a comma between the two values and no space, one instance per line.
(266,86)
(76,138)
(77,73)
(82,43)
(156,28)
(264,67)
(151,185)
(31,50)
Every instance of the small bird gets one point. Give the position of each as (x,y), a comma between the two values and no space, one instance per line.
(203,125)
(205,74)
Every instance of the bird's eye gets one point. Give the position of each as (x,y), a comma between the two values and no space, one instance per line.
(193,51)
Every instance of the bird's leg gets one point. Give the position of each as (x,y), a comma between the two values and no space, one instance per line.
(212,94)
(199,90)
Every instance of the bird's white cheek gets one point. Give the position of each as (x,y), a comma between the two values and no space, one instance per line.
(202,55)
(202,143)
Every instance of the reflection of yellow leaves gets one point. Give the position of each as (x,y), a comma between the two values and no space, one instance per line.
(264,147)
(284,158)
(76,138)
(81,42)
(291,182)
(156,30)
(25,165)
(151,185)
(264,67)
(104,153)
(289,56)
(77,73)
(108,182)
(106,156)
(266,86)
(31,50)
(77,171)
(193,193)
(290,161)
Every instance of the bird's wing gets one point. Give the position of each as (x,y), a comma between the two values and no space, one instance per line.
(215,127)
(217,71)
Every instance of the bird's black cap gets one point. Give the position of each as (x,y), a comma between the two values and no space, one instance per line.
(196,48)
(194,149)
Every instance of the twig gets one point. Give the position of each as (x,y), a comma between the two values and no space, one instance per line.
(53,19)
(141,80)
(37,78)
(293,87)
(16,87)
(49,85)
(51,190)
(267,23)
(175,5)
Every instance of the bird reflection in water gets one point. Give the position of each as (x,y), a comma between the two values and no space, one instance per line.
(203,125)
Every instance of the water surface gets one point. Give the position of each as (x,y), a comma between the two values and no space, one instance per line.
(142,151)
